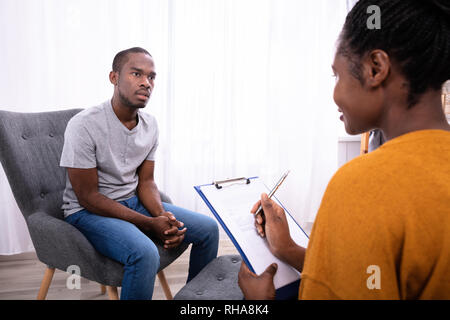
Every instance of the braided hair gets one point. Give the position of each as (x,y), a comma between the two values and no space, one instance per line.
(414,33)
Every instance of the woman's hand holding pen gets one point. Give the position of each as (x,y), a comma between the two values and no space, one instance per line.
(274,226)
(270,223)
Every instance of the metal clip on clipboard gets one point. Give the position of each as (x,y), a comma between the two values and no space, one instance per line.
(219,184)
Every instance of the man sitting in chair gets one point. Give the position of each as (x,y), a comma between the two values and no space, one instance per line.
(111,195)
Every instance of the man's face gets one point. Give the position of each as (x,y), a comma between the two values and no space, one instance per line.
(134,83)
(359,108)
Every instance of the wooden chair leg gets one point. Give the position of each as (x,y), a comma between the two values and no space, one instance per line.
(112,293)
(165,285)
(365,143)
(45,284)
(102,289)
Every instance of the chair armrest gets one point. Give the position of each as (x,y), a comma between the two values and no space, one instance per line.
(165,198)
(59,245)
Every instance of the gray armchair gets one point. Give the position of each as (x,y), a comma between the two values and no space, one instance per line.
(30,151)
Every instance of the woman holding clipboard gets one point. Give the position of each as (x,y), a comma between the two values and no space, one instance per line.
(383,227)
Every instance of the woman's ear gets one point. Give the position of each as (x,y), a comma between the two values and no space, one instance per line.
(377,66)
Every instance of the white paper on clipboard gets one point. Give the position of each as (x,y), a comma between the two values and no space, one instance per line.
(231,205)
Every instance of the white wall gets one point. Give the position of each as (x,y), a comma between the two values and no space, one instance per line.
(236,94)
(348,148)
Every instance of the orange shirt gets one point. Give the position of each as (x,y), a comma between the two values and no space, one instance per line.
(383,227)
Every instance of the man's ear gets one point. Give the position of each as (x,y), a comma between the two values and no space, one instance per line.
(377,67)
(113,77)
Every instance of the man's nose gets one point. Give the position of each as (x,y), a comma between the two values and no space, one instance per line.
(147,83)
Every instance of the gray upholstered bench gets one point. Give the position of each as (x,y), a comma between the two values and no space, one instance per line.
(217,281)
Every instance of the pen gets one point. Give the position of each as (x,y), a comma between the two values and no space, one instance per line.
(273,190)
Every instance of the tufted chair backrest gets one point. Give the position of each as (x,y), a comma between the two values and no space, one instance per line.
(30,151)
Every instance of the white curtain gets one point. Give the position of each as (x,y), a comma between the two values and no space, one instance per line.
(244,87)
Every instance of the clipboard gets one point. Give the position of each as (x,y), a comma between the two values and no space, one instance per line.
(230,202)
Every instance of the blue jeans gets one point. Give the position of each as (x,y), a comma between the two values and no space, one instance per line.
(124,242)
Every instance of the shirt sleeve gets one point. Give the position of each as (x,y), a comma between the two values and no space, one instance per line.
(79,147)
(152,154)
(313,289)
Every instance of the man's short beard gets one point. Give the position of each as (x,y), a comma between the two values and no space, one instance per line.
(125,101)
